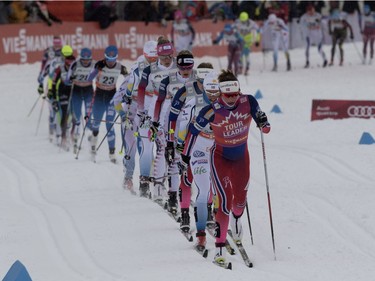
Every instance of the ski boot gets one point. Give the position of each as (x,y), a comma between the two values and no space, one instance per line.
(64,143)
(185,220)
(112,156)
(93,140)
(172,202)
(157,195)
(288,65)
(219,257)
(75,143)
(201,240)
(210,218)
(236,226)
(144,186)
(307,65)
(128,185)
(325,63)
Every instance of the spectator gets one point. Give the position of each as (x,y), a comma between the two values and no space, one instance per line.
(280,9)
(350,7)
(103,12)
(250,7)
(18,12)
(195,10)
(41,8)
(4,12)
(141,11)
(226,10)
(371,4)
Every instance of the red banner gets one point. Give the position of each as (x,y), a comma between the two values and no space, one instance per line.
(340,109)
(25,43)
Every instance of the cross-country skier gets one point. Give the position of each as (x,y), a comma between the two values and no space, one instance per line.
(368,32)
(106,71)
(148,90)
(182,33)
(235,43)
(229,117)
(126,102)
(82,91)
(167,89)
(279,34)
(206,91)
(249,31)
(312,29)
(337,26)
(59,92)
(52,58)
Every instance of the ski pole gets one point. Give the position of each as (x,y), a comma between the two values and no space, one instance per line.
(152,179)
(65,118)
(268,192)
(87,122)
(32,108)
(248,220)
(100,144)
(123,131)
(40,117)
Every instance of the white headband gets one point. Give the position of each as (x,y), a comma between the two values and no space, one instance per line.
(229,87)
(202,72)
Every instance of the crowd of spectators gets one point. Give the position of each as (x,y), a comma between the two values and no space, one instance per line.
(26,12)
(106,12)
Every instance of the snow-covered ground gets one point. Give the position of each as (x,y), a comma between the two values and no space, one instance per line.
(68,219)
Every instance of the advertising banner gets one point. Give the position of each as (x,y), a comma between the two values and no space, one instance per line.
(25,43)
(340,109)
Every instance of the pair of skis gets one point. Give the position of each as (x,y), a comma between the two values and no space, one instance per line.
(241,250)
(227,265)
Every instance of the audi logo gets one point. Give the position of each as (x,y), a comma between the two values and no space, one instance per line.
(364,111)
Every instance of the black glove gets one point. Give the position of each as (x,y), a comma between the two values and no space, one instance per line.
(55,106)
(184,163)
(142,117)
(262,119)
(180,147)
(40,89)
(169,152)
(256,44)
(214,42)
(153,130)
(127,99)
(100,65)
(50,94)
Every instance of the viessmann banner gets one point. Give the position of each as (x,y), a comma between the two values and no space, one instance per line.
(340,109)
(24,43)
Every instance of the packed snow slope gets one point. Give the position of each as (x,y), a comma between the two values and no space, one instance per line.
(68,219)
